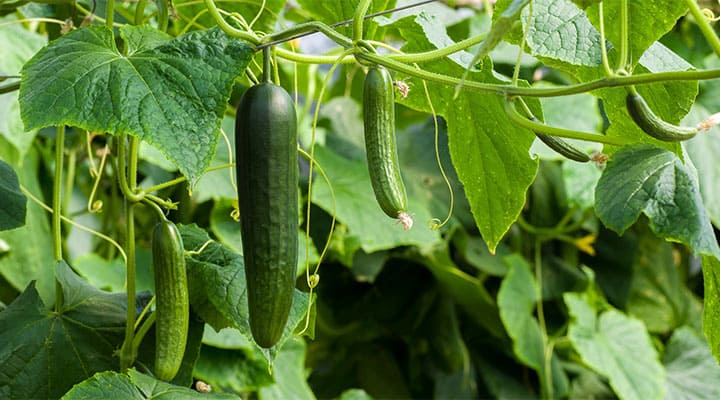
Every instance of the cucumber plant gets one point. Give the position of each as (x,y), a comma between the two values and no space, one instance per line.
(172,310)
(645,118)
(267,172)
(380,146)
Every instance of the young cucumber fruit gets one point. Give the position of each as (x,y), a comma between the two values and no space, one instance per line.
(172,307)
(267,171)
(653,125)
(382,158)
(560,146)
(563,148)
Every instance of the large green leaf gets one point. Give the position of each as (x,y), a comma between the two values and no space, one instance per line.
(703,150)
(658,295)
(17,45)
(168,92)
(14,208)
(490,154)
(134,386)
(617,347)
(44,353)
(29,256)
(289,374)
(217,288)
(517,300)
(358,209)
(693,373)
(561,31)
(653,181)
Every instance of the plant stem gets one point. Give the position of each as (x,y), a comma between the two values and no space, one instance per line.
(227,28)
(705,27)
(140,12)
(359,18)
(624,44)
(546,379)
(509,90)
(127,355)
(109,13)
(57,209)
(128,189)
(603,46)
(534,126)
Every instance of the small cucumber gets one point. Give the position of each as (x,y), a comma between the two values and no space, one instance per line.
(563,148)
(651,124)
(560,146)
(382,158)
(267,171)
(172,307)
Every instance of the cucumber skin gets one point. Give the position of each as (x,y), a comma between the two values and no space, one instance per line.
(172,305)
(644,117)
(382,158)
(267,171)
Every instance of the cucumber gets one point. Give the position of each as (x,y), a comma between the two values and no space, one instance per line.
(267,171)
(560,146)
(563,148)
(382,158)
(651,124)
(172,306)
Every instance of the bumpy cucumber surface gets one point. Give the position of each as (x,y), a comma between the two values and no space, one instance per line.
(382,158)
(653,125)
(172,307)
(267,171)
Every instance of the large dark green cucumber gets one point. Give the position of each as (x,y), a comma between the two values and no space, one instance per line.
(267,171)
(653,125)
(172,307)
(382,158)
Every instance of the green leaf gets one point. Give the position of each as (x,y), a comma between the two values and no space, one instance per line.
(658,294)
(232,370)
(703,150)
(134,385)
(170,93)
(617,347)
(227,230)
(653,181)
(711,307)
(30,254)
(648,21)
(561,31)
(289,374)
(227,338)
(17,45)
(517,300)
(44,353)
(217,290)
(693,373)
(14,208)
(110,274)
(466,290)
(358,209)
(490,154)
(505,15)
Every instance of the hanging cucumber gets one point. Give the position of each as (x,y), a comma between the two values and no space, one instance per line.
(172,309)
(653,125)
(382,158)
(267,171)
(560,146)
